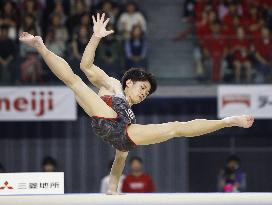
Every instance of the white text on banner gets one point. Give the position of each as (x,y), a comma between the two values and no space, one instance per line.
(37,103)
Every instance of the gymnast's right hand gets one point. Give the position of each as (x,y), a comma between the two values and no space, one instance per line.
(110,192)
(99,26)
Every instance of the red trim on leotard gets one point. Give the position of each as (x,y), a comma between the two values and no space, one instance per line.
(129,136)
(107,118)
(108,100)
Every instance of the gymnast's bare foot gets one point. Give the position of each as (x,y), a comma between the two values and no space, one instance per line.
(244,121)
(29,39)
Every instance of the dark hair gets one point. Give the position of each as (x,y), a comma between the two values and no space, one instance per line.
(133,3)
(49,160)
(233,158)
(134,28)
(132,159)
(139,74)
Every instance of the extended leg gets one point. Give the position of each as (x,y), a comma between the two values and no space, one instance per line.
(156,133)
(87,98)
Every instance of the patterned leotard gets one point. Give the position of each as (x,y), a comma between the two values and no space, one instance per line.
(114,130)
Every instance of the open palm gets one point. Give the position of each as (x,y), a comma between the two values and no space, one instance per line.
(99,27)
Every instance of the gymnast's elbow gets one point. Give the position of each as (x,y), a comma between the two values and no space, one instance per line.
(85,65)
(90,71)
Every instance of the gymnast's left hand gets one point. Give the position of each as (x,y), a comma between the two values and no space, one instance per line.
(99,26)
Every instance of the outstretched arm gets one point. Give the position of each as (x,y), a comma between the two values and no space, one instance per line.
(116,171)
(97,76)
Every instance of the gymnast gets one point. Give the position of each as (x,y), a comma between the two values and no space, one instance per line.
(110,110)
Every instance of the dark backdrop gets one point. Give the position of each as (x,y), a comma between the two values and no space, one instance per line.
(179,165)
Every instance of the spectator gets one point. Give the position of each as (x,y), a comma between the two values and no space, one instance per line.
(229,34)
(202,31)
(79,43)
(203,6)
(234,9)
(61,7)
(111,10)
(50,6)
(85,21)
(252,22)
(232,178)
(7,55)
(263,55)
(137,181)
(30,68)
(214,49)
(61,33)
(61,24)
(32,7)
(29,25)
(105,181)
(188,9)
(129,19)
(9,15)
(109,54)
(59,10)
(78,9)
(223,9)
(136,48)
(57,47)
(240,48)
(249,15)
(49,164)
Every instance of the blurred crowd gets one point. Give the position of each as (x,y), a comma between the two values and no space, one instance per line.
(231,177)
(66,28)
(136,181)
(234,39)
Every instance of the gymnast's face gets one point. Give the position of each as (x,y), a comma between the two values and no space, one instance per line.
(137,91)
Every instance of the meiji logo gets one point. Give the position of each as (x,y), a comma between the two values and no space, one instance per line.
(6,186)
(38,102)
(234,99)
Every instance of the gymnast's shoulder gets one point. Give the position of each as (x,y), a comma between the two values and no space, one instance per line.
(114,87)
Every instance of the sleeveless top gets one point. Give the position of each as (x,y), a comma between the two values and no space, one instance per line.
(114,130)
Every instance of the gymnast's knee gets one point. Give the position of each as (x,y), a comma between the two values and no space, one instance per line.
(175,129)
(179,130)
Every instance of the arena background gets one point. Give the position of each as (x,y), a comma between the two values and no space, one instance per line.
(179,165)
